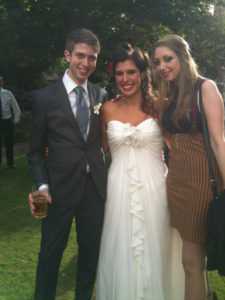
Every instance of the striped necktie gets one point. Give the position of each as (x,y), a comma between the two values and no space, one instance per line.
(82,112)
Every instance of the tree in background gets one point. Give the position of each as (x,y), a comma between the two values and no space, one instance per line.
(33,32)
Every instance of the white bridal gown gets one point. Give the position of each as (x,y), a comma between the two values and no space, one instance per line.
(140,255)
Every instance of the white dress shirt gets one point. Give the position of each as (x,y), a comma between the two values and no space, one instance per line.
(9,102)
(70,85)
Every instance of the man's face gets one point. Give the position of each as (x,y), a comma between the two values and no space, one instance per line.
(82,62)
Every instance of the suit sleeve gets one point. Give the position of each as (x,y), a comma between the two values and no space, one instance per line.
(38,141)
(104,96)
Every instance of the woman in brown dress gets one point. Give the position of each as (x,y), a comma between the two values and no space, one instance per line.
(188,183)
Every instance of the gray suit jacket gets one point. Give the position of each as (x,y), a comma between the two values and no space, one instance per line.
(54,126)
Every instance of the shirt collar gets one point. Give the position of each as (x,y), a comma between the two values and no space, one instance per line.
(70,85)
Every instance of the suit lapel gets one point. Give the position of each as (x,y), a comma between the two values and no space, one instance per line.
(62,98)
(93,97)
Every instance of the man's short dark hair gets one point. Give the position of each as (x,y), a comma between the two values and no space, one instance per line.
(82,35)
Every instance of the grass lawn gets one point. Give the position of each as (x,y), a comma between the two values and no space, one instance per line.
(20,238)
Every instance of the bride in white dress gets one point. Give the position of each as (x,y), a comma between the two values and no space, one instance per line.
(139,254)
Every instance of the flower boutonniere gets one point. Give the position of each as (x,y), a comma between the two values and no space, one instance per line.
(97,108)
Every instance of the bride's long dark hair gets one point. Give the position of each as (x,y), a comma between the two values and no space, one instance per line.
(141,59)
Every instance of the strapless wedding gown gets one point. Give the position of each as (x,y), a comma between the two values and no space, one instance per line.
(140,255)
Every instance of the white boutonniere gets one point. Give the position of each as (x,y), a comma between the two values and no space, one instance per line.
(97,108)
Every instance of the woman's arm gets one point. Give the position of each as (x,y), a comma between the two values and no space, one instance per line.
(104,118)
(214,111)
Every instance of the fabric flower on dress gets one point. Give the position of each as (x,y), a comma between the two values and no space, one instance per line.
(133,136)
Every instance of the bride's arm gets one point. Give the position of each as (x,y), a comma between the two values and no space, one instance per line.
(166,139)
(104,114)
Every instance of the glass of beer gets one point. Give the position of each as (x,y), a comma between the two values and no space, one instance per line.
(40,200)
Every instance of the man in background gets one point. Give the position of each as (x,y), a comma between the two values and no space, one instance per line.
(9,116)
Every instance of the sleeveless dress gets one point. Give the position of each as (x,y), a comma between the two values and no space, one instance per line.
(140,255)
(188,182)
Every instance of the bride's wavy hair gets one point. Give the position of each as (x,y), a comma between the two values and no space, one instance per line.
(141,59)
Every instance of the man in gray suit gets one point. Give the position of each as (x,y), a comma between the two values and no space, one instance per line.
(66,120)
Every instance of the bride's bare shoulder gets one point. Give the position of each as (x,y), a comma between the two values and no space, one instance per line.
(112,105)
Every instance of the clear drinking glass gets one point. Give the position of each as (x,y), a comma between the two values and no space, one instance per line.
(40,200)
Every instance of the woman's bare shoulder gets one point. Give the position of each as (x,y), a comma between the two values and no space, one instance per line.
(112,104)
(208,84)
(211,94)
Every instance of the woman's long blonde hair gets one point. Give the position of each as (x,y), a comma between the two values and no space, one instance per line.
(183,90)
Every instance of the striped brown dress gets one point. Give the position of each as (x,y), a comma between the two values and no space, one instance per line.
(188,185)
(188,182)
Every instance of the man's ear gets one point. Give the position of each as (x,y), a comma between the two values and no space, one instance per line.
(67,55)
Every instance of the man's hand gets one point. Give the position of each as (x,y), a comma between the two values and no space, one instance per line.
(35,194)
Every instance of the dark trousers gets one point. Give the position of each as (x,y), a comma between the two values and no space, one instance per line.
(55,233)
(7,132)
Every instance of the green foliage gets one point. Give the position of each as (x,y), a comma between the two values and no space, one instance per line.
(33,32)
(206,36)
